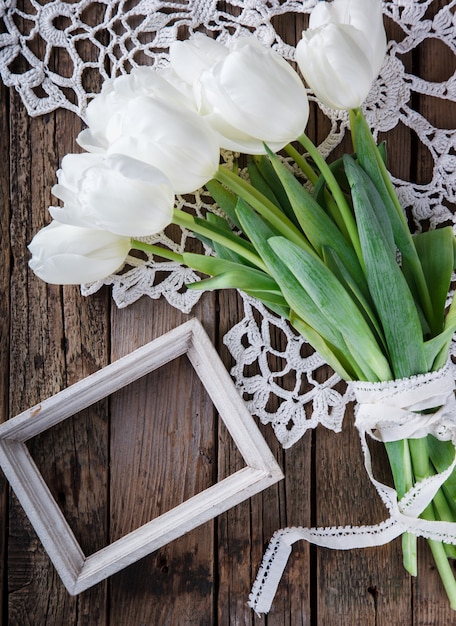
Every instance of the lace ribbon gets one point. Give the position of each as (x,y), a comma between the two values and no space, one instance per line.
(387,411)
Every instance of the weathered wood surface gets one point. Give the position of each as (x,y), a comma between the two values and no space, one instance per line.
(126,459)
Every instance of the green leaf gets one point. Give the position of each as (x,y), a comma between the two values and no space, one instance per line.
(437,348)
(337,168)
(435,251)
(333,262)
(390,293)
(329,353)
(261,183)
(259,231)
(247,277)
(235,279)
(218,221)
(441,454)
(226,234)
(335,304)
(211,265)
(221,251)
(371,159)
(318,227)
(225,199)
(268,173)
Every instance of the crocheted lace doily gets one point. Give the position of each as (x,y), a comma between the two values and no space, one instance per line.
(127,33)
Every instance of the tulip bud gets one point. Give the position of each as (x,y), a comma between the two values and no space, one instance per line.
(63,254)
(116,193)
(341,53)
(250,95)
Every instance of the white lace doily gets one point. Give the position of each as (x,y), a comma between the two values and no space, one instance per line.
(129,33)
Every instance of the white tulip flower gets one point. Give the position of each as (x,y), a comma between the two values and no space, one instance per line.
(177,141)
(144,117)
(105,112)
(249,94)
(117,193)
(341,53)
(63,254)
(190,58)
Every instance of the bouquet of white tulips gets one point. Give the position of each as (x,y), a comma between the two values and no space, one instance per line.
(338,262)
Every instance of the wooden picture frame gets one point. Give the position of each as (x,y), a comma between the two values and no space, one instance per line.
(78,571)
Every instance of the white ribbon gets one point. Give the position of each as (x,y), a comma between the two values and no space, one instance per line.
(387,411)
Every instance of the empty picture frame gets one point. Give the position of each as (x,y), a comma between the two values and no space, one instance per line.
(78,571)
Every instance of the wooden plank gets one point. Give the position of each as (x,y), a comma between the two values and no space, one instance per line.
(57,338)
(170,453)
(5,251)
(358,586)
(37,365)
(239,543)
(435,63)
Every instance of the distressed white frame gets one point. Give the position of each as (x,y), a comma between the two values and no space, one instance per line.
(78,571)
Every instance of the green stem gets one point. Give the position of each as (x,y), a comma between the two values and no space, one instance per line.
(443,512)
(401,467)
(422,469)
(302,163)
(187,221)
(337,193)
(262,205)
(444,569)
(158,251)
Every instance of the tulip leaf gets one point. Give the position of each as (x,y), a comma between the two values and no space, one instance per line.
(259,231)
(219,221)
(390,293)
(435,250)
(268,173)
(225,199)
(247,277)
(238,279)
(260,183)
(318,227)
(333,263)
(441,454)
(371,160)
(335,304)
(220,250)
(437,348)
(228,235)
(337,168)
(328,352)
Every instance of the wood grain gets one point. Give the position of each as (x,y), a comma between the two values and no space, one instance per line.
(107,467)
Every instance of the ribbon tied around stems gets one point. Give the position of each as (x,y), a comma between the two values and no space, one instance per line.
(386,411)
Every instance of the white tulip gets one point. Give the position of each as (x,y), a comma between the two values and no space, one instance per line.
(250,95)
(179,142)
(116,193)
(191,57)
(105,112)
(342,52)
(149,120)
(70,255)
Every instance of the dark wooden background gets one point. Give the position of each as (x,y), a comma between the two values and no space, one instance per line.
(159,441)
